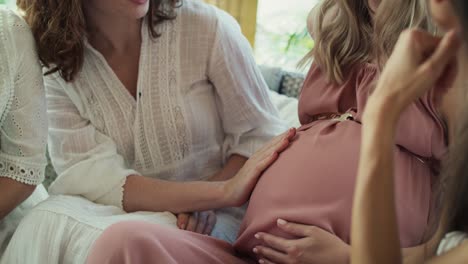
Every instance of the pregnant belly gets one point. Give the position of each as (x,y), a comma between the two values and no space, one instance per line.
(313,181)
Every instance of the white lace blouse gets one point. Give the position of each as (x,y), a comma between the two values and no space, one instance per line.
(23,122)
(200,99)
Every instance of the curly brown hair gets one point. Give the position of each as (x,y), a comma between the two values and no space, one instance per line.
(59,28)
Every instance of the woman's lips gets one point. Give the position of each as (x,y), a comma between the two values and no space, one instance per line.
(139,2)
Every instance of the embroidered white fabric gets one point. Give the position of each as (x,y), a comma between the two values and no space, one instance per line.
(23,123)
(200,99)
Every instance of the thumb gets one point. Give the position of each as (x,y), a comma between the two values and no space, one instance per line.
(182,220)
(434,67)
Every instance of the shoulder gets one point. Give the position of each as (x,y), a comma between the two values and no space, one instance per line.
(206,17)
(17,35)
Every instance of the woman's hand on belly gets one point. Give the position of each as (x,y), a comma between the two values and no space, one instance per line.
(198,222)
(238,188)
(315,245)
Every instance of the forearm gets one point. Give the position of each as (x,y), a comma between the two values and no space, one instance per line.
(374,228)
(458,255)
(12,193)
(419,254)
(148,194)
(233,165)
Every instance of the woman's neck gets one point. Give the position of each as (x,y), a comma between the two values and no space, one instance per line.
(111,34)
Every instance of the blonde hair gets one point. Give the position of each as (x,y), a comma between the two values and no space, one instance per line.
(346,35)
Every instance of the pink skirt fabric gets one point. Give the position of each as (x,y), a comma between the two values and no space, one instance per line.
(144,243)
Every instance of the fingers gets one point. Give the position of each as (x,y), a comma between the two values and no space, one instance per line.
(202,222)
(266,261)
(199,222)
(277,145)
(280,147)
(443,55)
(294,229)
(193,222)
(277,243)
(265,163)
(279,141)
(211,222)
(271,254)
(182,220)
(422,41)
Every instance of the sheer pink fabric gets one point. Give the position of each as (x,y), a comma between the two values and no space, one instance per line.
(312,182)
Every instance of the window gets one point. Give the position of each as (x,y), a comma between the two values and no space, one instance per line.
(10,3)
(282,39)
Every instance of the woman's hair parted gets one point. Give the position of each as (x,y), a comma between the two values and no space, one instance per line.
(59,28)
(346,34)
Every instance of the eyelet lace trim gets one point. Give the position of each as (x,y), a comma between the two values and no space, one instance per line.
(21,172)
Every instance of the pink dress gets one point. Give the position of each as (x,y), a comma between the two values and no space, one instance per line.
(312,182)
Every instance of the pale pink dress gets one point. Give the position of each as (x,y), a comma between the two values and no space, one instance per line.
(311,183)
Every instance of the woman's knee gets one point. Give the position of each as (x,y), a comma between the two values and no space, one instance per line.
(124,242)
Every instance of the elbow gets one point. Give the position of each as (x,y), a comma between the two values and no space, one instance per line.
(12,194)
(24,191)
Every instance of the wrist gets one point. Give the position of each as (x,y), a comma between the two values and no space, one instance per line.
(225,193)
(382,111)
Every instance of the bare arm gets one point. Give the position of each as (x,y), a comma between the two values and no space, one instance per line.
(176,197)
(233,165)
(458,255)
(409,74)
(13,193)
(179,197)
(376,243)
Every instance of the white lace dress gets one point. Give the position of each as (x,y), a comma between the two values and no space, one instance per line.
(200,99)
(23,123)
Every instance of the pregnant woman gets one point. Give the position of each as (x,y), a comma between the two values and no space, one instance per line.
(154,106)
(313,180)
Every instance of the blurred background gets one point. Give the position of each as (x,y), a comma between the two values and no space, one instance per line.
(275,28)
(281,33)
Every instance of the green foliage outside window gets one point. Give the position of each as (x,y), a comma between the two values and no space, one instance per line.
(282,38)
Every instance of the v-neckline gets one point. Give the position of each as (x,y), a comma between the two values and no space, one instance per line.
(133,101)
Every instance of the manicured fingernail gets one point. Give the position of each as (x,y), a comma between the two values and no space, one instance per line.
(255,250)
(282,222)
(261,261)
(257,236)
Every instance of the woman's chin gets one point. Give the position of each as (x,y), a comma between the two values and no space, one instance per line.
(138,11)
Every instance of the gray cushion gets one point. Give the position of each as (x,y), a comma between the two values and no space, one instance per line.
(291,84)
(272,76)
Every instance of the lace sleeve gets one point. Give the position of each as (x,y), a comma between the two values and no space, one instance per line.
(23,130)
(86,160)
